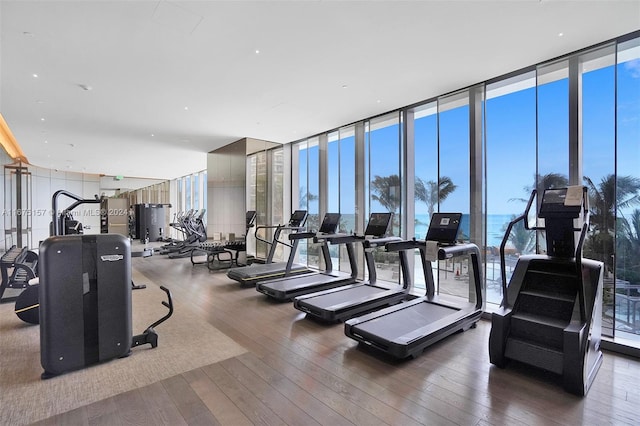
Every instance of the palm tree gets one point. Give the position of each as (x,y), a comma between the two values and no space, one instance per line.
(628,248)
(305,197)
(610,194)
(542,182)
(431,193)
(387,192)
(523,240)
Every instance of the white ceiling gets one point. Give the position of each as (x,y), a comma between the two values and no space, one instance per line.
(321,64)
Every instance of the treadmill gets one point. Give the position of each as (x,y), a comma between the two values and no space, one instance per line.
(347,301)
(406,329)
(250,275)
(287,288)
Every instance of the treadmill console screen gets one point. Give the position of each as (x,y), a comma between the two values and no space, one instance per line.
(251,217)
(444,227)
(554,203)
(298,218)
(378,224)
(330,223)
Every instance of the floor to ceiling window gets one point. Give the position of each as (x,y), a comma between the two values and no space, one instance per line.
(306,193)
(553,127)
(627,267)
(454,183)
(382,168)
(572,121)
(510,126)
(341,186)
(426,187)
(597,78)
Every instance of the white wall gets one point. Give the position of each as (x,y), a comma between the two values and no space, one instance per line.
(45,182)
(226,190)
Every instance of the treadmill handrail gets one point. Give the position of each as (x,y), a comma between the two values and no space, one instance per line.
(472,250)
(336,238)
(302,235)
(379,242)
(405,245)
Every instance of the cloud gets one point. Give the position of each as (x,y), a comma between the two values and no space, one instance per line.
(633,67)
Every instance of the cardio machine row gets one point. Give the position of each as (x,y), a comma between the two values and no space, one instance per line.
(373,310)
(551,312)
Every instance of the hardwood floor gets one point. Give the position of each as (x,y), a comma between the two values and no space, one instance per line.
(300,372)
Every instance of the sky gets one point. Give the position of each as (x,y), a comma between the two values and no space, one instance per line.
(511,134)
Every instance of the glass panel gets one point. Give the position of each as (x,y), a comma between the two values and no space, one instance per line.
(313,204)
(425,127)
(382,136)
(453,186)
(597,74)
(511,163)
(333,187)
(347,188)
(196,191)
(187,192)
(260,188)
(277,185)
(627,272)
(341,188)
(553,127)
(299,185)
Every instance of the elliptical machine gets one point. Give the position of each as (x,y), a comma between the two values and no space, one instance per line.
(551,312)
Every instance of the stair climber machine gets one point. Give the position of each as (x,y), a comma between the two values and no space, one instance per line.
(551,311)
(85,297)
(347,301)
(405,329)
(251,274)
(288,287)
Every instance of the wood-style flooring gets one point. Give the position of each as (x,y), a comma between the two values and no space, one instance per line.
(300,372)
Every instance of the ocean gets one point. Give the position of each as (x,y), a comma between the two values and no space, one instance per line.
(495,226)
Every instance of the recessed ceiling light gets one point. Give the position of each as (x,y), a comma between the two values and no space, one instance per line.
(42,119)
(35,75)
(152,135)
(378,101)
(46,141)
(186,108)
(560,34)
(257,52)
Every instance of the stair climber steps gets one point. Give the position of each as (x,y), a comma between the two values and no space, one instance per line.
(533,354)
(552,284)
(551,307)
(538,329)
(553,267)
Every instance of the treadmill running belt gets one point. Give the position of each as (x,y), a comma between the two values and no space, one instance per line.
(404,321)
(340,297)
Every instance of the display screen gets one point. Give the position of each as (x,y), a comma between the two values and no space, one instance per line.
(378,224)
(298,218)
(444,227)
(330,223)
